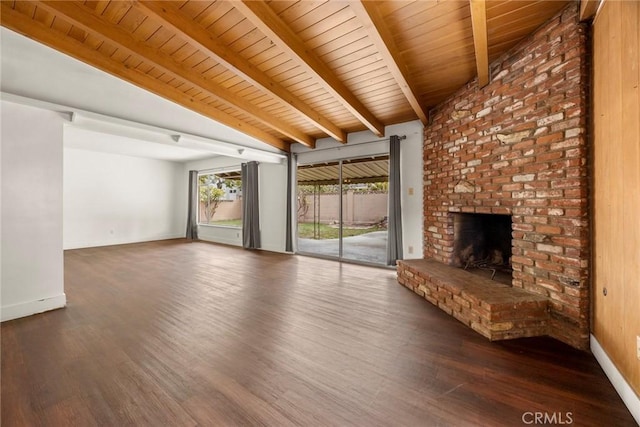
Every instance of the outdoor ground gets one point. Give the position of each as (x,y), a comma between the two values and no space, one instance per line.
(369,247)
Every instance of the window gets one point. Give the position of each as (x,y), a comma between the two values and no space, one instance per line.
(220,199)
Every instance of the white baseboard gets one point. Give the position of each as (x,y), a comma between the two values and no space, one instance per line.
(113,241)
(629,397)
(273,248)
(15,311)
(230,242)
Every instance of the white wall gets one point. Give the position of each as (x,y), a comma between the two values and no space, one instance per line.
(273,206)
(114,199)
(366,143)
(32,256)
(411,177)
(273,200)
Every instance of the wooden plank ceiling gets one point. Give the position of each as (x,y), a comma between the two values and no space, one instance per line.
(288,71)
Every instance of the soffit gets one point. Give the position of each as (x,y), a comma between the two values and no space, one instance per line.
(353,172)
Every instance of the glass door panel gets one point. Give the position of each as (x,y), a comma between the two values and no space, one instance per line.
(318,209)
(365,185)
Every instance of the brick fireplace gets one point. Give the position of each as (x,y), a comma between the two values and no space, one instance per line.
(516,147)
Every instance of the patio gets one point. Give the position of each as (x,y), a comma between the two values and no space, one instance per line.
(369,247)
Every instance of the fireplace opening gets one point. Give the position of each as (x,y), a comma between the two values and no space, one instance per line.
(482,245)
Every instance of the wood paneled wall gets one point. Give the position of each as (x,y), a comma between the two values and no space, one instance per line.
(616,207)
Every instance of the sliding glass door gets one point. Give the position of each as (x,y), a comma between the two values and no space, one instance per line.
(342,209)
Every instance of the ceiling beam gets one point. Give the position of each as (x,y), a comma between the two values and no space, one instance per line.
(588,9)
(373,22)
(26,26)
(270,24)
(82,17)
(170,17)
(479,24)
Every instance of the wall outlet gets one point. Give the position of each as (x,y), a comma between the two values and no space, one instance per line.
(410,249)
(638,347)
(411,191)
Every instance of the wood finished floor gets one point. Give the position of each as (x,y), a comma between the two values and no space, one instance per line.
(180,334)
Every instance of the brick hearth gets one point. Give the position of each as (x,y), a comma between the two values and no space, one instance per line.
(493,309)
(518,147)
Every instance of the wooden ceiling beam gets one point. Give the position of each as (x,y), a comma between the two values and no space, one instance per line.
(26,26)
(479,24)
(588,9)
(170,17)
(83,18)
(270,24)
(373,22)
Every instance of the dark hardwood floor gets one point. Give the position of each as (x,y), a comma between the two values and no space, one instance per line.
(180,334)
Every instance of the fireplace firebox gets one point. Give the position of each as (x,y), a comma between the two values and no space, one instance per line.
(482,244)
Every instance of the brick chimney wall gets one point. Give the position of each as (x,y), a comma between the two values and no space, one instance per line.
(518,146)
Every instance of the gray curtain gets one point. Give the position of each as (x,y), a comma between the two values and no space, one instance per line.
(192,213)
(250,203)
(289,225)
(394,240)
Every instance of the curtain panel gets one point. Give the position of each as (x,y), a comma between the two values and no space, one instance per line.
(192,210)
(289,218)
(394,241)
(250,205)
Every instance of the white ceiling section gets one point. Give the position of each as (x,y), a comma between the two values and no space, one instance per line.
(35,71)
(86,139)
